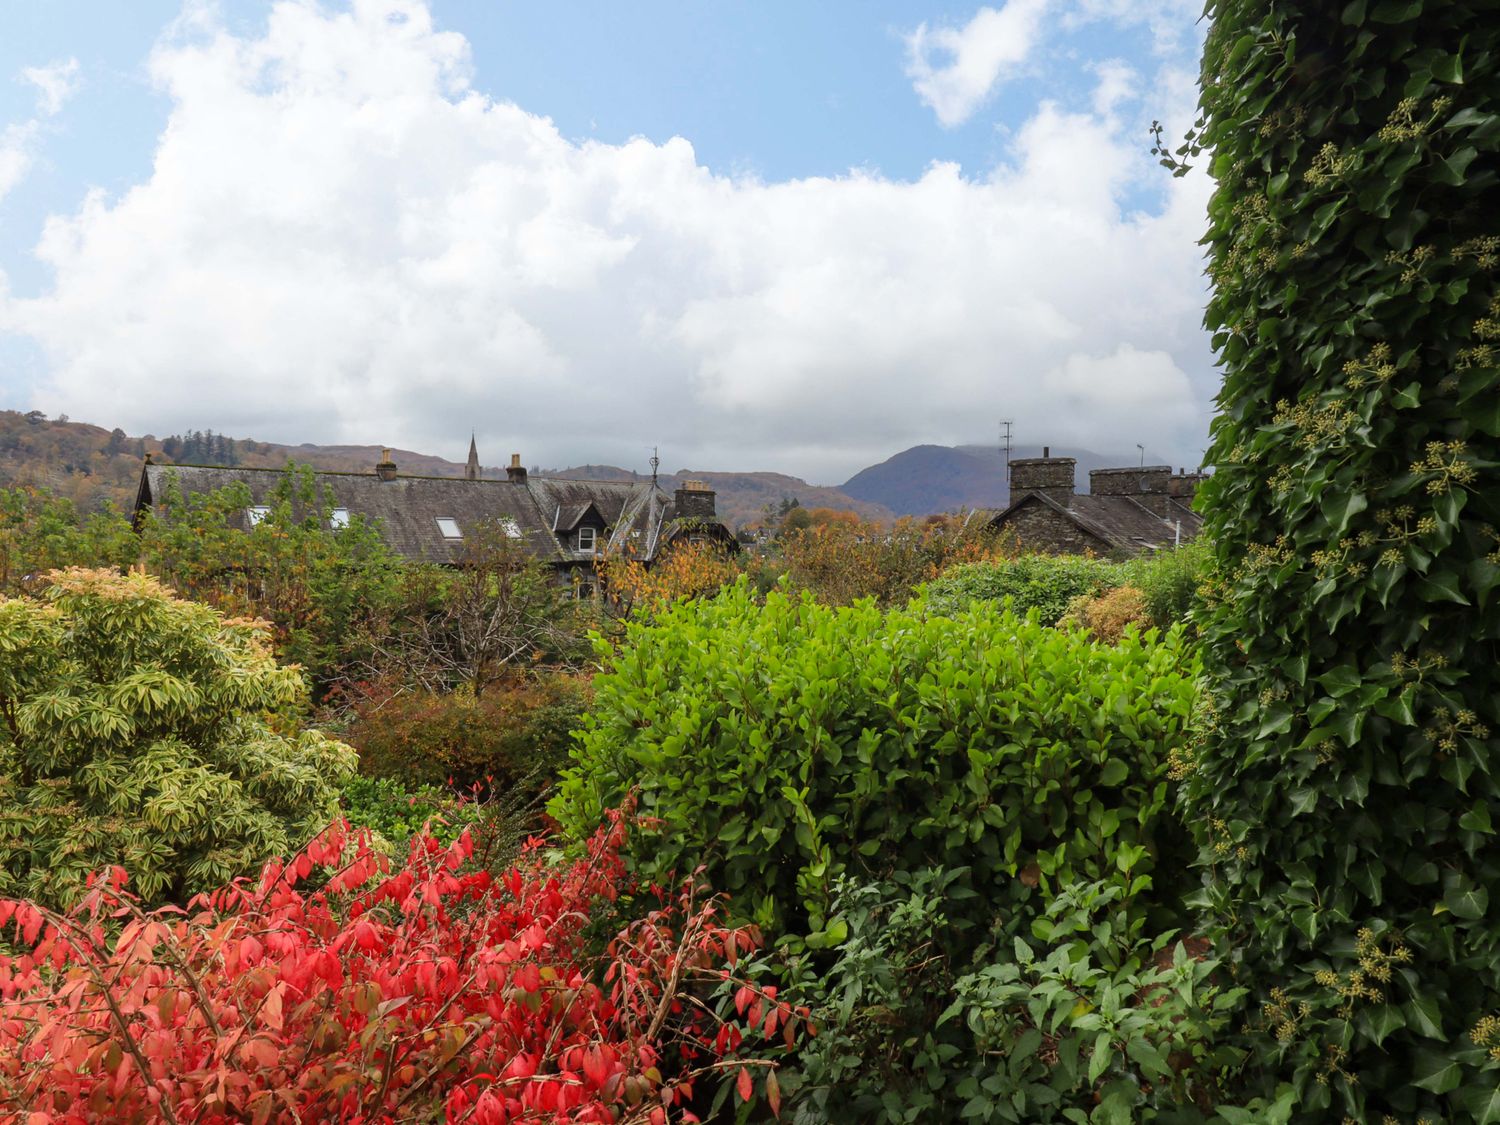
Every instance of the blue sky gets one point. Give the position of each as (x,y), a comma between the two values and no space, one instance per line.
(705,299)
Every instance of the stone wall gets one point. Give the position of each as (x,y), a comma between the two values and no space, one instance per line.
(1038,528)
(1051,476)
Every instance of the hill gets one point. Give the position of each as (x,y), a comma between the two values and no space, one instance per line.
(944,478)
(92,466)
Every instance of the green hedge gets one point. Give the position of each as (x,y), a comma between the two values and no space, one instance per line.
(1347,795)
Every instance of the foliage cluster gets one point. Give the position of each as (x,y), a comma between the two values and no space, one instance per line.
(394,813)
(427,991)
(807,758)
(1168,582)
(141,729)
(40,532)
(514,735)
(1347,793)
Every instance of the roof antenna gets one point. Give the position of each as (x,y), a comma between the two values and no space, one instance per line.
(655,464)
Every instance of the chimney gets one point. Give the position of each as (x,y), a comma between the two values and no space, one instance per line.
(515,472)
(1184,486)
(1046,475)
(695,500)
(385,468)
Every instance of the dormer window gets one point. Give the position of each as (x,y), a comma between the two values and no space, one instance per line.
(257,514)
(449,528)
(338,518)
(586,539)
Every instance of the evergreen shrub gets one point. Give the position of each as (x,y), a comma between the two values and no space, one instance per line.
(151,733)
(1346,796)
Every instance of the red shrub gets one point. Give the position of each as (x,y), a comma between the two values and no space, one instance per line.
(425,993)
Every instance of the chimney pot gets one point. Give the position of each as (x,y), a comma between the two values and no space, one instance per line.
(385,468)
(515,472)
(1046,451)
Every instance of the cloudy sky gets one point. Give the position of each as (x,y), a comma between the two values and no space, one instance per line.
(761,234)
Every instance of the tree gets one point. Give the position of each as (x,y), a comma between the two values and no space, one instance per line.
(40,532)
(467,625)
(682,570)
(319,586)
(140,730)
(1346,790)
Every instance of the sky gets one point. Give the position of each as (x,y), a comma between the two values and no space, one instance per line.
(758,235)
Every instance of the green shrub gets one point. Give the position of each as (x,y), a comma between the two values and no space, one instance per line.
(1045,583)
(149,732)
(397,813)
(515,735)
(1347,794)
(983,761)
(786,745)
(1170,581)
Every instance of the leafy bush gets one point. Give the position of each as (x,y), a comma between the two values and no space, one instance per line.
(1106,616)
(1171,581)
(1030,1029)
(516,735)
(787,745)
(142,730)
(982,762)
(431,991)
(1345,796)
(395,813)
(40,532)
(1045,583)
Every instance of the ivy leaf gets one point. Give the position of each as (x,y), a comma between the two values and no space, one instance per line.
(1482,1102)
(1468,903)
(1436,1072)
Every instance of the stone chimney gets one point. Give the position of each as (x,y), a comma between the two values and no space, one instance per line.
(515,472)
(385,468)
(695,500)
(1184,486)
(1146,485)
(1046,475)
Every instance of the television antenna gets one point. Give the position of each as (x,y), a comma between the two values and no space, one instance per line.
(655,465)
(1005,437)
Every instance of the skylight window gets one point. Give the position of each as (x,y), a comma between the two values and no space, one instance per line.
(511,528)
(257,514)
(338,518)
(449,528)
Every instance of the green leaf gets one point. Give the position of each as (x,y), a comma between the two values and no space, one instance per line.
(1468,903)
(1100,1059)
(1481,1101)
(1114,772)
(1435,1072)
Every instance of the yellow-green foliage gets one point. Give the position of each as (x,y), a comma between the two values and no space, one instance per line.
(143,730)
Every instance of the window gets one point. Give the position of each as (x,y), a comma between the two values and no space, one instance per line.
(586,539)
(511,528)
(256,514)
(449,528)
(338,518)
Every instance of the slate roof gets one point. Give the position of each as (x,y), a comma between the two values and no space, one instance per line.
(1123,522)
(543,509)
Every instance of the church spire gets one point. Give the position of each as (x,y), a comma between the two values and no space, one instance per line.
(471,471)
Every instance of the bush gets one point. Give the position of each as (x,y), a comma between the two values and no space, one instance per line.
(428,991)
(1045,583)
(1170,581)
(515,736)
(984,761)
(1106,616)
(148,732)
(785,746)
(395,813)
(1345,795)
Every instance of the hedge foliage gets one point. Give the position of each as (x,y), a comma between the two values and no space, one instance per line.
(789,744)
(899,797)
(152,733)
(1347,794)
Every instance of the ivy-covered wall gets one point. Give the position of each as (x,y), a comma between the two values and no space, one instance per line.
(1345,793)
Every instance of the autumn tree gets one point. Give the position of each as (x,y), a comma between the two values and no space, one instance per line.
(682,570)
(137,729)
(464,626)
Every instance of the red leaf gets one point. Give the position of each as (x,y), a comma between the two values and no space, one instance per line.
(744,1083)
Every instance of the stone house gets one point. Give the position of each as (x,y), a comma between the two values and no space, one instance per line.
(1126,511)
(567,524)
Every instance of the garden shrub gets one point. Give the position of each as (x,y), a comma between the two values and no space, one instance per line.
(426,991)
(1045,583)
(1347,792)
(1170,581)
(516,735)
(985,760)
(1106,616)
(148,732)
(395,813)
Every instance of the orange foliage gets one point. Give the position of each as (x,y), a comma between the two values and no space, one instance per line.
(686,570)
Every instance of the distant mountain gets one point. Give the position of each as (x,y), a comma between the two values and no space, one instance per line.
(926,479)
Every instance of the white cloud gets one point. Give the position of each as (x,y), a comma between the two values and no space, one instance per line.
(55,84)
(341,240)
(955,70)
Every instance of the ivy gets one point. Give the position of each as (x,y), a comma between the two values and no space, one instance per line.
(1345,788)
